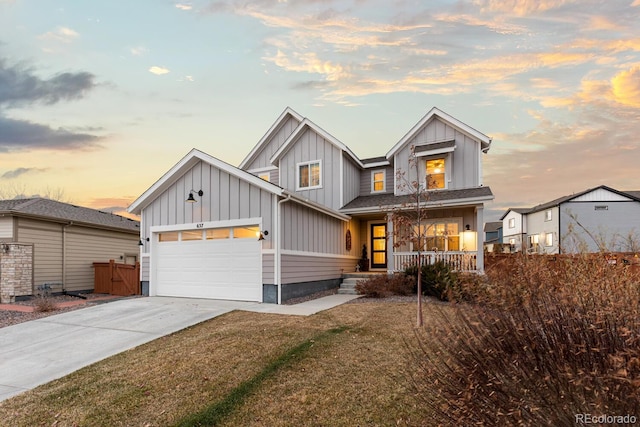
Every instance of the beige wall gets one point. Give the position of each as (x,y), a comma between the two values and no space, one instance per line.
(65,254)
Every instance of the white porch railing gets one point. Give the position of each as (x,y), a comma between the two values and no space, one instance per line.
(459,261)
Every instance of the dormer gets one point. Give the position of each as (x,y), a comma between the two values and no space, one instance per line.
(448,153)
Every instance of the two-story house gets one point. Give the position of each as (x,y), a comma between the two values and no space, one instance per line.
(597,219)
(302,209)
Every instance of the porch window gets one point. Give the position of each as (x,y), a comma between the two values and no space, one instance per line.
(309,175)
(440,236)
(436,173)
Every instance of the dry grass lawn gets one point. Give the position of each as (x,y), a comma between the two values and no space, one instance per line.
(342,367)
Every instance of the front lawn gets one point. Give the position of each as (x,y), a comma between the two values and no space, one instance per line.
(342,367)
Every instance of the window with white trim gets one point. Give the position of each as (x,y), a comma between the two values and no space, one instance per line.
(378,181)
(309,175)
(512,223)
(548,239)
(436,173)
(266,176)
(547,215)
(438,236)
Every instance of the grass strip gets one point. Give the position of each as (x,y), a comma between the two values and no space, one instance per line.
(215,413)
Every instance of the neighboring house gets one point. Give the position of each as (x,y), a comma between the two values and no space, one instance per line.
(493,236)
(55,244)
(597,219)
(316,207)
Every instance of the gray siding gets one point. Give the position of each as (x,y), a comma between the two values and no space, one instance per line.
(281,134)
(351,180)
(225,197)
(366,180)
(538,225)
(615,228)
(311,146)
(268,274)
(307,230)
(300,269)
(463,170)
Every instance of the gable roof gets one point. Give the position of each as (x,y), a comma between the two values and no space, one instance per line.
(186,163)
(492,226)
(302,127)
(284,116)
(53,210)
(560,200)
(521,211)
(436,198)
(435,112)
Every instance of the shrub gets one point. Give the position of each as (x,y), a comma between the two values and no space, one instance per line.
(539,346)
(438,280)
(44,304)
(381,285)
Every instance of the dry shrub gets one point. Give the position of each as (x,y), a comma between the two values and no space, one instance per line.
(538,346)
(382,285)
(44,304)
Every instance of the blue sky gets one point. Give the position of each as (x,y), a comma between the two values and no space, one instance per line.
(99,99)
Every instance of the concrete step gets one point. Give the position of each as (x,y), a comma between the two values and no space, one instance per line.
(348,285)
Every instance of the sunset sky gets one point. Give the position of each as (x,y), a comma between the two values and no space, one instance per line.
(98,99)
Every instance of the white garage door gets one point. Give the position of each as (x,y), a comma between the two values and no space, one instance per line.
(220,263)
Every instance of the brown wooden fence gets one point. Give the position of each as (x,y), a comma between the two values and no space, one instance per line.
(116,279)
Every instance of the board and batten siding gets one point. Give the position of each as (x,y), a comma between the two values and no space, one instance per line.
(463,170)
(261,160)
(351,179)
(310,268)
(310,147)
(307,230)
(6,228)
(47,249)
(224,197)
(84,246)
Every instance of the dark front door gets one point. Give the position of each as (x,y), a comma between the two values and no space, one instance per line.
(379,245)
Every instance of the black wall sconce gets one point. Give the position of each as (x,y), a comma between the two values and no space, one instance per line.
(141,242)
(262,234)
(467,227)
(192,199)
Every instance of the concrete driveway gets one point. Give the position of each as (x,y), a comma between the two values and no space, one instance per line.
(39,351)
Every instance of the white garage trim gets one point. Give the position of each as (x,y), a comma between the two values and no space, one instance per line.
(224,268)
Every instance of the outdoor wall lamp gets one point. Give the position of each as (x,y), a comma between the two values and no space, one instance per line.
(467,227)
(192,199)
(261,234)
(141,242)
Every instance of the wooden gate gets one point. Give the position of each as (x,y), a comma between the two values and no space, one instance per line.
(117,279)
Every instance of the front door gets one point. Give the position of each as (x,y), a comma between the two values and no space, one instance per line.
(379,245)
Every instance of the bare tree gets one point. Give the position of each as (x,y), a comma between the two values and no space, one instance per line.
(20,191)
(409,217)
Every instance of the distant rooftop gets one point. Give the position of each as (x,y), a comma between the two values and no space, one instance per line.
(65,212)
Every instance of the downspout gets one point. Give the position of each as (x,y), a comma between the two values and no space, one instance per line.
(278,234)
(64,255)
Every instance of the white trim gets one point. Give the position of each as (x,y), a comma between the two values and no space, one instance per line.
(186,163)
(207,224)
(439,204)
(267,136)
(341,183)
(265,169)
(435,152)
(384,181)
(447,172)
(316,206)
(316,254)
(308,163)
(306,123)
(484,140)
(376,164)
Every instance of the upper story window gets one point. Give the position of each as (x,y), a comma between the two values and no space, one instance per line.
(436,173)
(512,223)
(547,215)
(378,179)
(309,175)
(266,176)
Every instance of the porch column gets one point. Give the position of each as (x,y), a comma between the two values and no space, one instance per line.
(480,238)
(390,260)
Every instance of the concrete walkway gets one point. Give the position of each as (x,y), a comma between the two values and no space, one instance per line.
(39,351)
